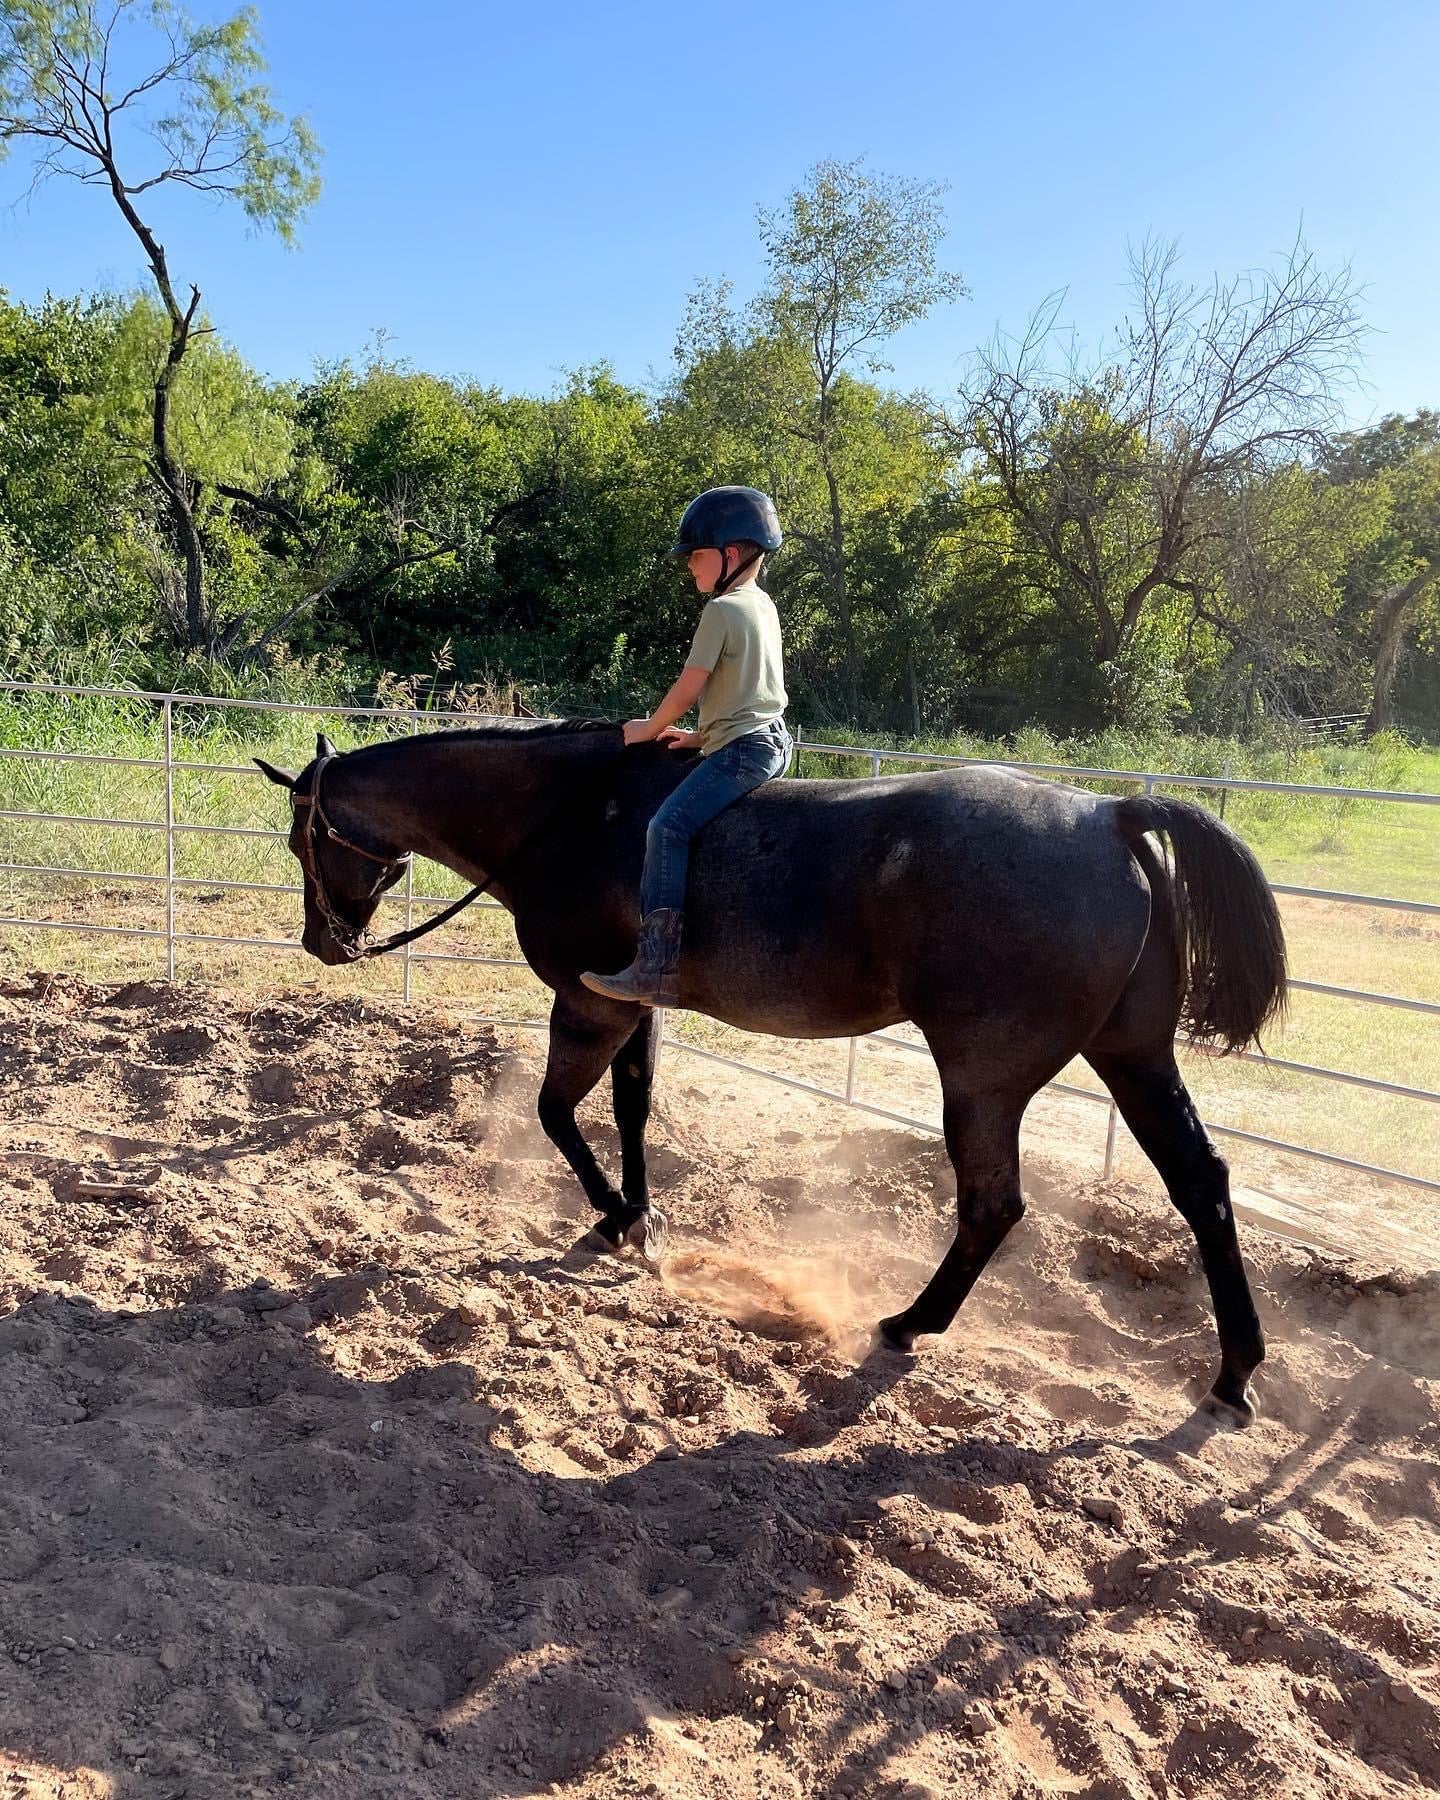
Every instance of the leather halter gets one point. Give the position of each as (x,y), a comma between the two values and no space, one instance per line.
(354,941)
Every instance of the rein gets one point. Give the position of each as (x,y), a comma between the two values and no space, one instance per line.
(357,945)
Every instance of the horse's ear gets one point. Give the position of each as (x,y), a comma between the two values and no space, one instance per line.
(281,777)
(323,746)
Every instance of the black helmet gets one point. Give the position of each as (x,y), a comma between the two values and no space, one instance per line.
(728,515)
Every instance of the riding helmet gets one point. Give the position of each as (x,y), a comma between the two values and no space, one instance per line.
(728,515)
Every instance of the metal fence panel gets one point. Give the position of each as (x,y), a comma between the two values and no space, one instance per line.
(416,718)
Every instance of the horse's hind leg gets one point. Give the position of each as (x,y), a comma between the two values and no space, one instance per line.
(632,1078)
(1156,1105)
(982,1135)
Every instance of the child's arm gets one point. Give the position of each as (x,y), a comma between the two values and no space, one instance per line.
(675,705)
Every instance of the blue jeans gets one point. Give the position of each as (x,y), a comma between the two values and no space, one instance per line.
(719,781)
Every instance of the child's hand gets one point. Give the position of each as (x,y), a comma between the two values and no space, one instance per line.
(639,731)
(676,739)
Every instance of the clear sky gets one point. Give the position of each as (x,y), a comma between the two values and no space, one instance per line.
(514,190)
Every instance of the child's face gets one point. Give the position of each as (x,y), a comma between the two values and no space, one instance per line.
(706,566)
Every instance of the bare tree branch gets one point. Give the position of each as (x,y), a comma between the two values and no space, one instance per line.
(1107,464)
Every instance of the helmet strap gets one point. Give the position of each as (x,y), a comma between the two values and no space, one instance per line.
(726,582)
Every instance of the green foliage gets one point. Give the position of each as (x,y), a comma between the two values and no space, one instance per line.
(772,395)
(382,525)
(1392,582)
(401,521)
(227,423)
(152,75)
(66,487)
(1116,472)
(853,258)
(134,98)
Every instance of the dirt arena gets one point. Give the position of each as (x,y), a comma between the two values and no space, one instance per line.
(335,1465)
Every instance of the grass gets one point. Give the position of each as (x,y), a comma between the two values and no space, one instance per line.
(1359,846)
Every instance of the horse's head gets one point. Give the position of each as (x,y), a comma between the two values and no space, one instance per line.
(345,873)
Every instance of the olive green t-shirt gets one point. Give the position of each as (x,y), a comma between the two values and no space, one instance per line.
(738,641)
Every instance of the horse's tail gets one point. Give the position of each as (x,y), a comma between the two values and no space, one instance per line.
(1231,943)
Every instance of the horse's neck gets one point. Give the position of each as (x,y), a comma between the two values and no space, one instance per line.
(470,803)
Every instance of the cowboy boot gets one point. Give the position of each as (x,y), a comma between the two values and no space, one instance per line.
(653,979)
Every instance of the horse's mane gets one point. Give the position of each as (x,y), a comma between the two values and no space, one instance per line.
(497,730)
(503,728)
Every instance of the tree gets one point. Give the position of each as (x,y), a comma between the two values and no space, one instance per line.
(187,112)
(524,533)
(1110,468)
(776,393)
(232,433)
(1270,583)
(397,476)
(1395,575)
(853,258)
(904,550)
(735,413)
(67,490)
(65,484)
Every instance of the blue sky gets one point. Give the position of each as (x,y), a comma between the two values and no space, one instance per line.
(511,191)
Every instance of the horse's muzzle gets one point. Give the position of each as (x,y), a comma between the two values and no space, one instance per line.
(325,948)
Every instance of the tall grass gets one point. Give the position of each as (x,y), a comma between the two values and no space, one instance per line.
(1305,840)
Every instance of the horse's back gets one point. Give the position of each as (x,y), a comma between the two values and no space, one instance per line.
(977,890)
(985,833)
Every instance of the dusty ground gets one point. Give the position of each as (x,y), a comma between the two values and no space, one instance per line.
(333,1468)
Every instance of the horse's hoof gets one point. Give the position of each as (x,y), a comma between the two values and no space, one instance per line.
(895,1334)
(649,1235)
(1239,1413)
(597,1238)
(608,1231)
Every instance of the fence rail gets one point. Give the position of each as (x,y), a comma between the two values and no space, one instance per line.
(1330,725)
(175,828)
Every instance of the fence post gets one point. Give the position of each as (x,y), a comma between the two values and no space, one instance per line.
(1224,792)
(850,1070)
(168,722)
(409,895)
(874,762)
(799,739)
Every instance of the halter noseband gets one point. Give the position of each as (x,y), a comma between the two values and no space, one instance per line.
(352,940)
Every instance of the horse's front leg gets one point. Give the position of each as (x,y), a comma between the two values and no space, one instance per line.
(632,1079)
(583,1041)
(584,1037)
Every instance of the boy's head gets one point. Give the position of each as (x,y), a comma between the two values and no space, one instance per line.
(724,536)
(718,570)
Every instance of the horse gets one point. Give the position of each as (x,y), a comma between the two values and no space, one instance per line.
(1015,921)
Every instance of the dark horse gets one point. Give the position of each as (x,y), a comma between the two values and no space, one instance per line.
(1016,922)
